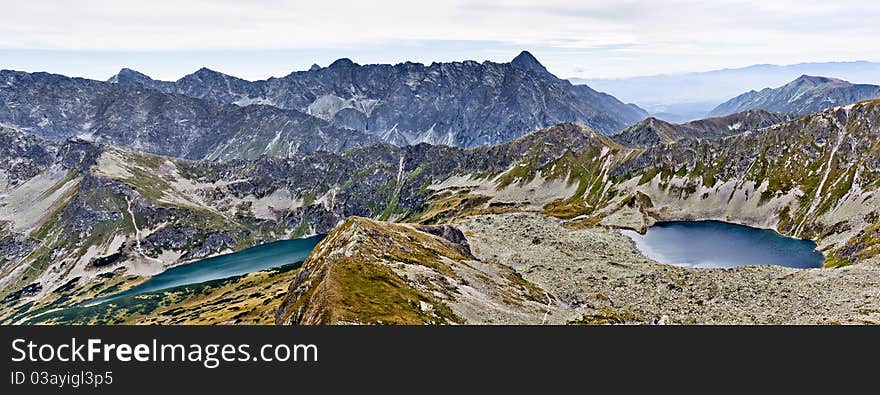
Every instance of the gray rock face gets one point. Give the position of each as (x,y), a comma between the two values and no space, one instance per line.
(22,156)
(806,94)
(127,114)
(14,247)
(461,103)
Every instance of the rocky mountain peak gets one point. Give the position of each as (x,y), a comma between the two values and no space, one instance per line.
(128,75)
(526,61)
(203,73)
(314,67)
(653,120)
(342,63)
(814,80)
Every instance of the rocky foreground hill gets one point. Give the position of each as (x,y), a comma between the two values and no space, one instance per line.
(105,217)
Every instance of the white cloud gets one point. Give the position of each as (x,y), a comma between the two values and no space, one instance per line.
(601,38)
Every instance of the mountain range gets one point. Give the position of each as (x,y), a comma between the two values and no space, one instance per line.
(210,115)
(812,177)
(139,213)
(464,104)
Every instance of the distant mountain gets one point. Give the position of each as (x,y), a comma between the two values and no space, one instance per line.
(653,131)
(58,107)
(717,127)
(804,95)
(460,103)
(689,96)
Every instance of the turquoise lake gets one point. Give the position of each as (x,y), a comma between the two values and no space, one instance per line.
(716,244)
(262,257)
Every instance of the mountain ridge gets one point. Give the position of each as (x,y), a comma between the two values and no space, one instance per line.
(804,95)
(653,131)
(59,107)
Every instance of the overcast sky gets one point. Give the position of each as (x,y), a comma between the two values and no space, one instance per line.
(573,38)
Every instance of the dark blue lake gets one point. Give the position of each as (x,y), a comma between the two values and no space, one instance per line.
(262,257)
(716,244)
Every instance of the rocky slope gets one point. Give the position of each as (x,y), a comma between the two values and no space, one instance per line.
(23,157)
(87,220)
(461,103)
(653,131)
(804,95)
(58,107)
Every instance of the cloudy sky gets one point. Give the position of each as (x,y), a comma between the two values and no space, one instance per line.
(573,38)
